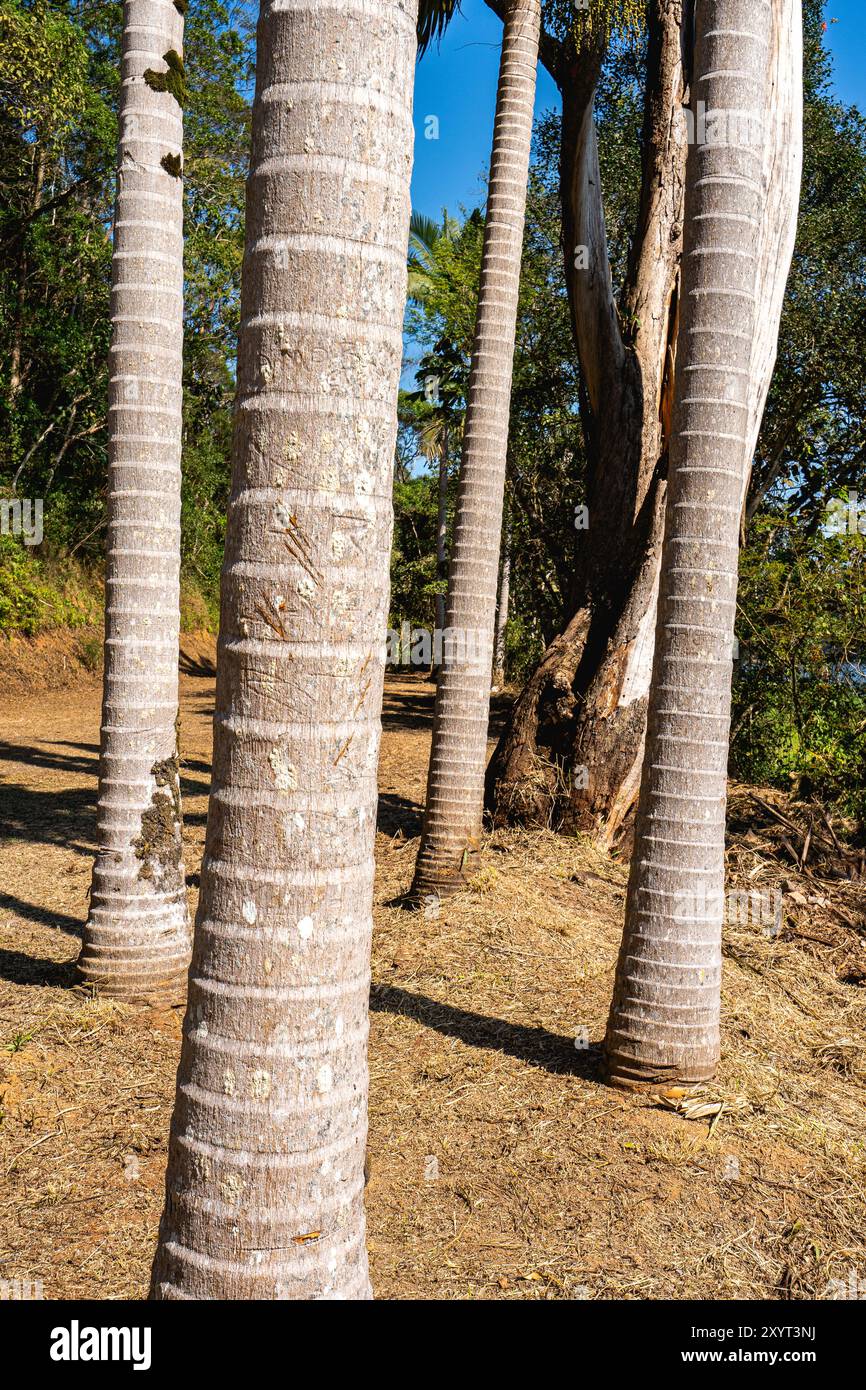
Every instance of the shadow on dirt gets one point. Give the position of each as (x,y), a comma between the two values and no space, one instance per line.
(537,1046)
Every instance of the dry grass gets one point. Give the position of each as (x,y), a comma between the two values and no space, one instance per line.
(500,1167)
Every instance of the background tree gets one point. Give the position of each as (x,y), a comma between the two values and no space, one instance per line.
(433,403)
(136,940)
(455,786)
(265,1182)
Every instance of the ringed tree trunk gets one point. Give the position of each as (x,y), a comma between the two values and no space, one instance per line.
(581,718)
(442,527)
(455,786)
(137,940)
(265,1181)
(664,1018)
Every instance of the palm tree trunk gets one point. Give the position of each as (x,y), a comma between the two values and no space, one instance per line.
(455,785)
(664,1020)
(502,617)
(442,528)
(265,1182)
(136,942)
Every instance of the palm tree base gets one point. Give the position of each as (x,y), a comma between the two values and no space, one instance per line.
(632,1073)
(440,881)
(151,988)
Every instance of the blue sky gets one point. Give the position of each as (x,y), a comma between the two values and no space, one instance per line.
(457,84)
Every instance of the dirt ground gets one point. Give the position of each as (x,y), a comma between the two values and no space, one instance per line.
(500,1166)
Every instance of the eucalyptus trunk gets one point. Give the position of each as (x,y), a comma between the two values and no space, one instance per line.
(664,1020)
(136,941)
(265,1182)
(455,786)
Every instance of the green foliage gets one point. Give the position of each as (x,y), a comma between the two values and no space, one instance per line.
(413,557)
(562,18)
(24,599)
(598,19)
(57,170)
(799,709)
(32,599)
(813,439)
(43,68)
(546,446)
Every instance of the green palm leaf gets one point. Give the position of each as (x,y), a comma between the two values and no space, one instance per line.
(434,16)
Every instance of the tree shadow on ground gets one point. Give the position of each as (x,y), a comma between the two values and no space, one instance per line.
(196,665)
(56,762)
(43,916)
(550,1051)
(398,814)
(413,711)
(67,816)
(20,969)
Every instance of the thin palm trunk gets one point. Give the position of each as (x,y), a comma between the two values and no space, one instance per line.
(455,785)
(664,1020)
(265,1182)
(136,942)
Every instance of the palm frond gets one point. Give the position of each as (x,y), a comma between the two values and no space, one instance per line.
(424,231)
(434,16)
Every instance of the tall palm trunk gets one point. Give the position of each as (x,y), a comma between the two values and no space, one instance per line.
(664,1019)
(455,786)
(265,1183)
(136,941)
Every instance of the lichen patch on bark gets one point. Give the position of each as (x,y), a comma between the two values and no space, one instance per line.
(158,846)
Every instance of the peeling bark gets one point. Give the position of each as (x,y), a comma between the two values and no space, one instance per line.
(626,365)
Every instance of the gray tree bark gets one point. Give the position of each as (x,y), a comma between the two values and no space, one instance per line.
(664,1020)
(455,786)
(265,1182)
(136,941)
